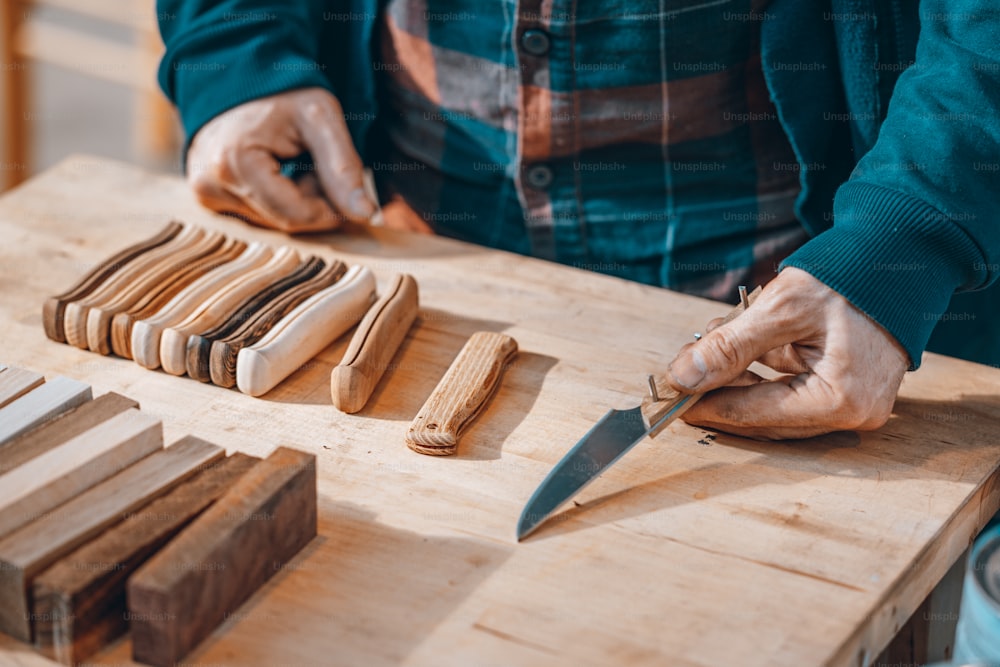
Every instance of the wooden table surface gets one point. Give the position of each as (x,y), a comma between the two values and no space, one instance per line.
(733,552)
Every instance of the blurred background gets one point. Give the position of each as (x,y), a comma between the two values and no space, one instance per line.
(79,76)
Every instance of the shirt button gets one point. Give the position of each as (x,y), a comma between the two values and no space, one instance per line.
(539,176)
(535,42)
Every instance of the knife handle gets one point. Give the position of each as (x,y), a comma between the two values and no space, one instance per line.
(374,344)
(461,393)
(654,411)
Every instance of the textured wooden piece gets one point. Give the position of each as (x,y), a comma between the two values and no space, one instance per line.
(187,589)
(41,404)
(654,411)
(178,267)
(76,311)
(471,379)
(304,332)
(159,295)
(31,490)
(34,547)
(199,346)
(64,427)
(16,382)
(216,311)
(53,312)
(146,333)
(224,352)
(374,344)
(79,602)
(684,546)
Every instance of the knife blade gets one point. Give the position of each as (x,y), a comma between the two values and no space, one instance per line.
(611,437)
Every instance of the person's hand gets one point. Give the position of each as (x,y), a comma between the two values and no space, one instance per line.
(233,163)
(844,370)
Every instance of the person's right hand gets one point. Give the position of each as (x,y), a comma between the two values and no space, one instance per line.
(233,163)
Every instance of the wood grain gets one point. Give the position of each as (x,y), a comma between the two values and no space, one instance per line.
(160,294)
(53,311)
(461,394)
(57,431)
(146,332)
(50,479)
(34,547)
(224,352)
(199,346)
(79,602)
(75,312)
(216,311)
(834,540)
(186,590)
(374,344)
(304,332)
(16,382)
(180,266)
(41,404)
(654,411)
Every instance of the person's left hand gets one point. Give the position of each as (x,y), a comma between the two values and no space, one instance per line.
(844,370)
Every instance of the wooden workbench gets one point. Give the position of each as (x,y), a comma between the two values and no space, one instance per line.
(734,553)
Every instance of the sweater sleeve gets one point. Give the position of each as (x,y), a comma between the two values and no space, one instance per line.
(918,219)
(222,53)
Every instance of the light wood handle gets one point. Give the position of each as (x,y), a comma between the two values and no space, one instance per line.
(374,344)
(461,393)
(653,411)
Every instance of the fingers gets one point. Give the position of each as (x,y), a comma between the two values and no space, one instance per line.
(400,215)
(798,406)
(321,124)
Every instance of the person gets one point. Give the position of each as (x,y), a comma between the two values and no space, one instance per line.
(844,153)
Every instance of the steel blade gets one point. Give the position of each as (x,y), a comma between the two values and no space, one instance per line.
(617,432)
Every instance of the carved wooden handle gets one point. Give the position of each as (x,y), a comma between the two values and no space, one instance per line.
(654,411)
(374,344)
(461,393)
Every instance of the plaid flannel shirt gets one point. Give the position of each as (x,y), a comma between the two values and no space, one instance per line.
(632,138)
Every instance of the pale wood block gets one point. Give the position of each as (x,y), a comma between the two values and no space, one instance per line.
(57,431)
(79,602)
(215,311)
(31,549)
(305,332)
(43,403)
(374,344)
(146,332)
(186,590)
(16,382)
(50,479)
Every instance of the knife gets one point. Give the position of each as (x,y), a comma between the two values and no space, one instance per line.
(610,438)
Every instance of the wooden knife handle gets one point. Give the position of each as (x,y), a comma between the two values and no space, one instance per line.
(374,344)
(461,393)
(653,411)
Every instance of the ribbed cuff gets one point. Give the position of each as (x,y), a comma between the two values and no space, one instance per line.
(244,62)
(894,257)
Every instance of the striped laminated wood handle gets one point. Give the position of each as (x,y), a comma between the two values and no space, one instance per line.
(654,411)
(461,394)
(54,308)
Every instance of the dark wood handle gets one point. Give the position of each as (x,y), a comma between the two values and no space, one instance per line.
(461,393)
(654,411)
(374,344)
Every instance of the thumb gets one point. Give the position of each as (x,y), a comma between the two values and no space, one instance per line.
(724,353)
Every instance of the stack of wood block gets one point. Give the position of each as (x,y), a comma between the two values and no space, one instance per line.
(197,302)
(104,530)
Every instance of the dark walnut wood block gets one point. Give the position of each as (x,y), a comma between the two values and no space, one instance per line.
(79,602)
(186,590)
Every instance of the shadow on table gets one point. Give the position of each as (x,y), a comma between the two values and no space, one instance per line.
(361,593)
(936,438)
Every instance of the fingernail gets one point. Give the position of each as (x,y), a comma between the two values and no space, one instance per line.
(689,370)
(360,204)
